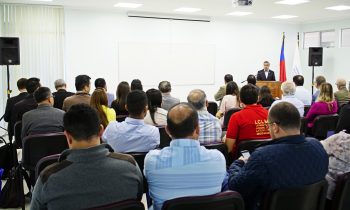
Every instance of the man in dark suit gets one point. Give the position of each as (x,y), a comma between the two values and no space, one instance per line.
(61,93)
(25,105)
(266,74)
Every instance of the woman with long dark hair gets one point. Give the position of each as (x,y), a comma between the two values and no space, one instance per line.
(229,101)
(155,114)
(118,105)
(265,97)
(99,102)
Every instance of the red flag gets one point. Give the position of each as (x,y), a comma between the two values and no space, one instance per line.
(283,76)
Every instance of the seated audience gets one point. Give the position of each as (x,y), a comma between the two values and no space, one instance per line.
(324,105)
(301,92)
(184,168)
(289,160)
(89,174)
(265,98)
(82,85)
(251,79)
(318,82)
(10,103)
(136,85)
(249,123)
(155,114)
(344,119)
(229,101)
(26,104)
(101,83)
(168,100)
(133,135)
(222,91)
(61,93)
(342,95)
(288,95)
(100,103)
(45,118)
(118,105)
(210,129)
(337,147)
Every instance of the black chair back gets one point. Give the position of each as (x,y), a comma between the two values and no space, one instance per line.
(121,118)
(303,126)
(310,197)
(324,124)
(18,134)
(341,195)
(44,162)
(164,138)
(221,147)
(122,205)
(140,159)
(250,145)
(228,200)
(228,115)
(306,109)
(212,108)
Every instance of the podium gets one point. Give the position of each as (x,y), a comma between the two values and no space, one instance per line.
(275,87)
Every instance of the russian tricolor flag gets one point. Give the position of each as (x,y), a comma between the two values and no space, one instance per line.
(283,76)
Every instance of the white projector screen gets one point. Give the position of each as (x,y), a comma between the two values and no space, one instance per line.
(181,64)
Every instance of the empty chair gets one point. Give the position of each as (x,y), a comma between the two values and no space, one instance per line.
(38,146)
(122,205)
(228,115)
(221,147)
(341,194)
(140,159)
(44,162)
(164,138)
(324,124)
(250,145)
(310,197)
(212,108)
(17,129)
(228,200)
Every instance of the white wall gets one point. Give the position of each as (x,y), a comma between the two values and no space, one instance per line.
(241,47)
(335,60)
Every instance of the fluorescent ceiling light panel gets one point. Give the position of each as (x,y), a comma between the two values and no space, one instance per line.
(239,13)
(187,9)
(42,0)
(292,2)
(285,17)
(128,5)
(339,8)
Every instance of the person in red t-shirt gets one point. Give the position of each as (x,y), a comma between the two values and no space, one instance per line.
(249,123)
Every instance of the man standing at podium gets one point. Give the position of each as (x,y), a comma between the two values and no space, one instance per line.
(266,74)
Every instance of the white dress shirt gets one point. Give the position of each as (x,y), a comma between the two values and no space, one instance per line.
(303,95)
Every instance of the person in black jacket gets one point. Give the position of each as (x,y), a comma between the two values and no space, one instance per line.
(61,93)
(266,74)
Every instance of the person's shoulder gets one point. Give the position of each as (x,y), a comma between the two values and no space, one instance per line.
(53,169)
(122,157)
(58,111)
(214,154)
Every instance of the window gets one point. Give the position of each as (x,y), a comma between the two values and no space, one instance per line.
(345,37)
(320,39)
(328,38)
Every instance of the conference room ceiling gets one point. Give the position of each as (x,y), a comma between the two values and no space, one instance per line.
(262,10)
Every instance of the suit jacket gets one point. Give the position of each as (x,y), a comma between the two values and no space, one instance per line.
(43,119)
(25,105)
(261,76)
(11,103)
(59,97)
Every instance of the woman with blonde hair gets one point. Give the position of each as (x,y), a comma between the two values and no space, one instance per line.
(99,102)
(324,105)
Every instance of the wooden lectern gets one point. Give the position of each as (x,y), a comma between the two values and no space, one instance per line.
(275,87)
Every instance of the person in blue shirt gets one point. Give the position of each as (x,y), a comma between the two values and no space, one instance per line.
(133,135)
(184,168)
(289,160)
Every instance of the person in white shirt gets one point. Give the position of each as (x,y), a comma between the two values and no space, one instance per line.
(288,90)
(302,93)
(155,114)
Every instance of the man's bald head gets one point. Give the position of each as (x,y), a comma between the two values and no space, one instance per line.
(182,120)
(197,98)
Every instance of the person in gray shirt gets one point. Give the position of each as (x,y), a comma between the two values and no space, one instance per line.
(168,101)
(89,174)
(45,118)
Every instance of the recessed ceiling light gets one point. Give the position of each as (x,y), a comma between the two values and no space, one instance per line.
(240,13)
(128,5)
(187,9)
(42,0)
(285,16)
(292,2)
(339,8)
